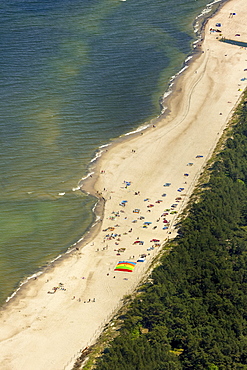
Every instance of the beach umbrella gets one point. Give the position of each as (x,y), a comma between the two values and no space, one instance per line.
(136,210)
(141,259)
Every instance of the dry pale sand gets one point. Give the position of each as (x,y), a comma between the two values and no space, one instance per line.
(44,331)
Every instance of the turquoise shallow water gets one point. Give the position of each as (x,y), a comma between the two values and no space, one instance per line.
(74,74)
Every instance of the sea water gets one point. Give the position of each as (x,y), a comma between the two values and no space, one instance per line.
(74,75)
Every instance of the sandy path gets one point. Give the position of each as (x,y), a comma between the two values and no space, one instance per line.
(40,330)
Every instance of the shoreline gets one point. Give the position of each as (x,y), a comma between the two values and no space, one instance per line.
(147,160)
(88,183)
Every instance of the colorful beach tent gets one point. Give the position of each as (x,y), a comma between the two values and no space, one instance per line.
(125,266)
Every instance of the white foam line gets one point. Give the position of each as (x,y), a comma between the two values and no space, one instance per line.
(188,59)
(105,145)
(163,110)
(141,128)
(97,155)
(55,259)
(214,2)
(185,66)
(12,295)
(94,207)
(196,42)
(167,93)
(35,275)
(22,283)
(75,189)
(208,8)
(84,178)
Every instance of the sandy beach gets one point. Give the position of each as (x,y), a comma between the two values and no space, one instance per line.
(138,179)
